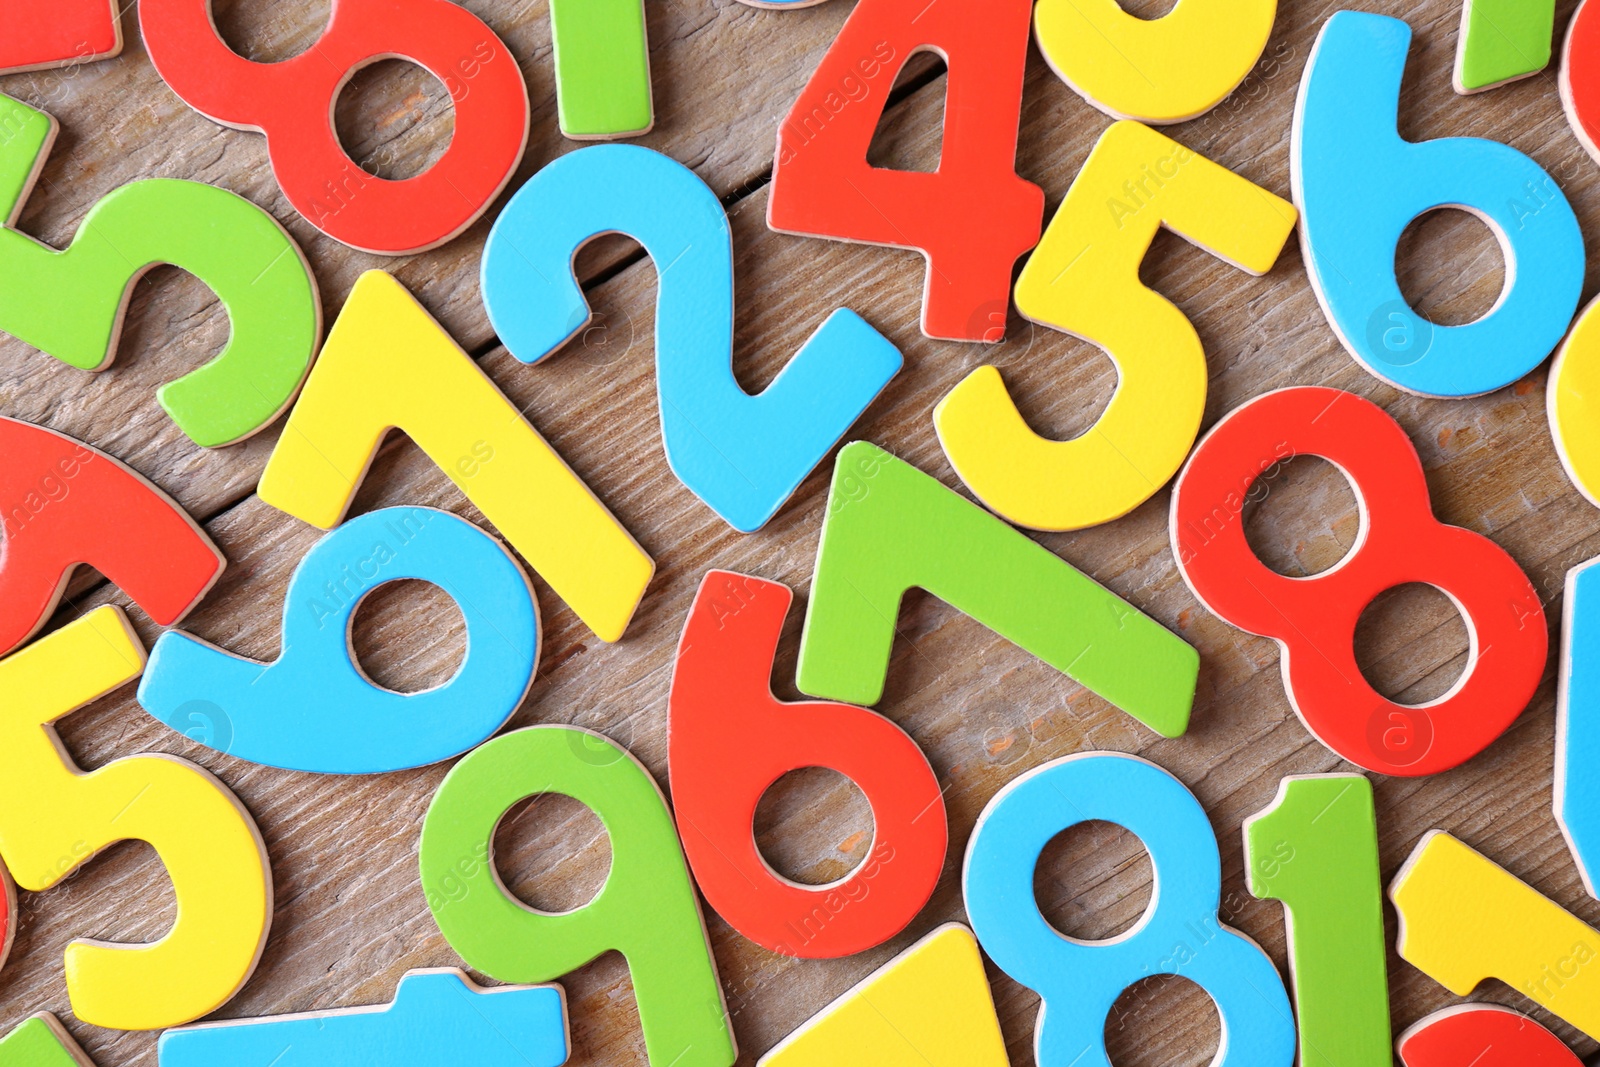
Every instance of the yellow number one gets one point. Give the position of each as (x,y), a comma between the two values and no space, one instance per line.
(1463,918)
(1083,279)
(387,364)
(53,817)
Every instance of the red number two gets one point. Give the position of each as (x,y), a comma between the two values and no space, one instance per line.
(292,103)
(972,217)
(64,503)
(1314,619)
(730,739)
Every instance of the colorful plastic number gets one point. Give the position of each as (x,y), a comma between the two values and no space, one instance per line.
(1083,279)
(314,709)
(730,739)
(438,1016)
(1464,919)
(70,303)
(743,455)
(891,527)
(1079,981)
(1577,773)
(58,34)
(1315,849)
(54,817)
(1160,70)
(647,909)
(65,504)
(292,103)
(1314,619)
(1358,184)
(1482,1035)
(602,68)
(387,364)
(930,1006)
(1572,403)
(972,217)
(1580,76)
(42,1041)
(1575,426)
(1501,41)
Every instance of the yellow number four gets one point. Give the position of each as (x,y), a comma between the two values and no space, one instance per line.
(1084,279)
(54,816)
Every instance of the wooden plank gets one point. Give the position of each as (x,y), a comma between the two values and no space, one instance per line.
(351,918)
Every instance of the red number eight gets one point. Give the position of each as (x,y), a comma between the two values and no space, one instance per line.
(292,103)
(730,739)
(1314,619)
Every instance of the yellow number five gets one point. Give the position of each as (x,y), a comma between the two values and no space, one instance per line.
(53,817)
(1083,279)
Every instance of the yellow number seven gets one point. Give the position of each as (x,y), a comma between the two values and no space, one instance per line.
(53,817)
(1084,279)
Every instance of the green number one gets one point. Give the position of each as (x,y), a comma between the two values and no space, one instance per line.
(69,304)
(1316,850)
(1501,41)
(890,527)
(602,68)
(647,909)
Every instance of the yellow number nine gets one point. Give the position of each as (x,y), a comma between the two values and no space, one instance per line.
(1084,279)
(53,817)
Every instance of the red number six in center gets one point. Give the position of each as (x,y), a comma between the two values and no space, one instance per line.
(292,103)
(1314,619)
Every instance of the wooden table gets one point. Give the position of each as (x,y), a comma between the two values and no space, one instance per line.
(350,915)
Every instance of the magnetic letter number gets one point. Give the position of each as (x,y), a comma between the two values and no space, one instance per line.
(69,304)
(314,709)
(1463,918)
(891,527)
(387,364)
(65,503)
(602,68)
(58,34)
(1314,619)
(54,817)
(1316,850)
(730,739)
(743,455)
(1501,41)
(647,909)
(1358,184)
(1483,1035)
(1160,70)
(1084,279)
(972,217)
(1079,981)
(1573,406)
(292,103)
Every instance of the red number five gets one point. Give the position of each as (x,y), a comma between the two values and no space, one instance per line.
(730,739)
(1314,619)
(292,103)
(972,217)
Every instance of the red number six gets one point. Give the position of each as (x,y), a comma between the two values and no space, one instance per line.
(730,739)
(292,103)
(1314,619)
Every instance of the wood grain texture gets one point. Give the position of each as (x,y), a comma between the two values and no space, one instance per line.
(350,916)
